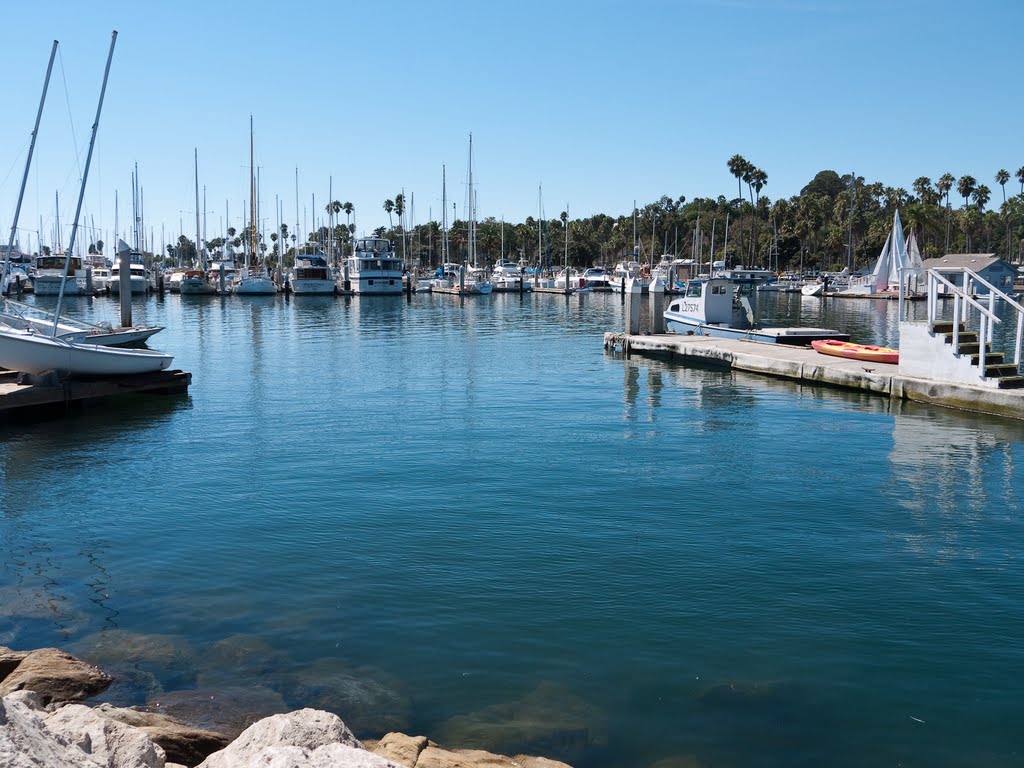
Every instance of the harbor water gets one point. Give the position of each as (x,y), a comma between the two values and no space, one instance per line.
(463,519)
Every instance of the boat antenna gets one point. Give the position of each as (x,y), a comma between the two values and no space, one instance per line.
(81,191)
(28,163)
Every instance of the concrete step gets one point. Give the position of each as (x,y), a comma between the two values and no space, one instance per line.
(944,327)
(1010,382)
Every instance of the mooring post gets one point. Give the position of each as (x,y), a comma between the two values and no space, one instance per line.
(631,296)
(124,285)
(657,294)
(89,287)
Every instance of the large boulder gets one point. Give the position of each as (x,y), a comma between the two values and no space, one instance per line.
(107,742)
(26,742)
(55,675)
(305,738)
(420,752)
(182,743)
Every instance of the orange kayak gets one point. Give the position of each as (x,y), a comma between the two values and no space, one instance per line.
(852,351)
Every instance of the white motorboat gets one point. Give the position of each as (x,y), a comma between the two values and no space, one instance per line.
(506,277)
(29,351)
(311,275)
(707,309)
(625,270)
(373,268)
(138,276)
(597,279)
(455,279)
(50,272)
(101,278)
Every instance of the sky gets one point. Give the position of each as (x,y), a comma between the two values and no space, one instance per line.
(597,104)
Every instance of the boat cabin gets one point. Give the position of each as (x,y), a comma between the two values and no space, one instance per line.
(706,301)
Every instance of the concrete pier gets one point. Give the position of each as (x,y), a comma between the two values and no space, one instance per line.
(805,365)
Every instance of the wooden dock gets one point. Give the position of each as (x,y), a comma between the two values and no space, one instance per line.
(805,365)
(25,398)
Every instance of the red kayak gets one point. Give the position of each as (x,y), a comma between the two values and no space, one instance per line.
(867,352)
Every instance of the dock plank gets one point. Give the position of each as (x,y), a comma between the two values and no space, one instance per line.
(806,365)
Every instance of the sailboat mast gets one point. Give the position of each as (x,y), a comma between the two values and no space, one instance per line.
(444,219)
(28,163)
(471,253)
(252,196)
(81,192)
(198,258)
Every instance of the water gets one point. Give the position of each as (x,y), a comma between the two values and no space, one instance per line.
(468,521)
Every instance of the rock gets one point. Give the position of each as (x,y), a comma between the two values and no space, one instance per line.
(307,730)
(25,742)
(9,660)
(399,748)
(107,742)
(419,752)
(364,697)
(550,720)
(181,743)
(151,663)
(56,676)
(238,659)
(435,757)
(223,710)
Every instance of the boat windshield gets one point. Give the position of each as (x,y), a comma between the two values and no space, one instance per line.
(693,289)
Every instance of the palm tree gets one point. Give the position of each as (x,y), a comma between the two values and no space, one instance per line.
(760,179)
(389,206)
(981,195)
(737,165)
(347,208)
(966,186)
(944,184)
(1020,178)
(922,186)
(1001,178)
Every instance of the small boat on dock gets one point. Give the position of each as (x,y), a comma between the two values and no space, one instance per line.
(851,351)
(707,309)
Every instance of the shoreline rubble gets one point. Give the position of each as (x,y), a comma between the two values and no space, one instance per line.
(43,724)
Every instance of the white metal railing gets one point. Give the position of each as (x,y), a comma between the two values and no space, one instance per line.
(964,299)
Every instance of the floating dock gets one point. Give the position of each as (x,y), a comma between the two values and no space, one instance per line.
(24,398)
(805,365)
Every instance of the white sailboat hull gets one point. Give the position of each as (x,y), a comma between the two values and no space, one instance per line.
(30,352)
(255,286)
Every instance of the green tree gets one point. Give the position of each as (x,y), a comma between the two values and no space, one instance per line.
(966,186)
(1002,176)
(737,167)
(389,206)
(1020,178)
(981,195)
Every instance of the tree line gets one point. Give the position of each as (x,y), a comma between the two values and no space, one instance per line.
(835,221)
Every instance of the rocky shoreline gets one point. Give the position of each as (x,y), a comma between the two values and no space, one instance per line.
(42,724)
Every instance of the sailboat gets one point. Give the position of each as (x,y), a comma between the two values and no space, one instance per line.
(195,282)
(894,260)
(454,278)
(30,351)
(251,281)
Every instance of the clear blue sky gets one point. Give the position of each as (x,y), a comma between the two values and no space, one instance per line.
(601,102)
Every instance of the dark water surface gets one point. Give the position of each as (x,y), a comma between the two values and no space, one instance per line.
(468,521)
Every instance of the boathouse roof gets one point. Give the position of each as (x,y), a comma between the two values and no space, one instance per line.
(975,261)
